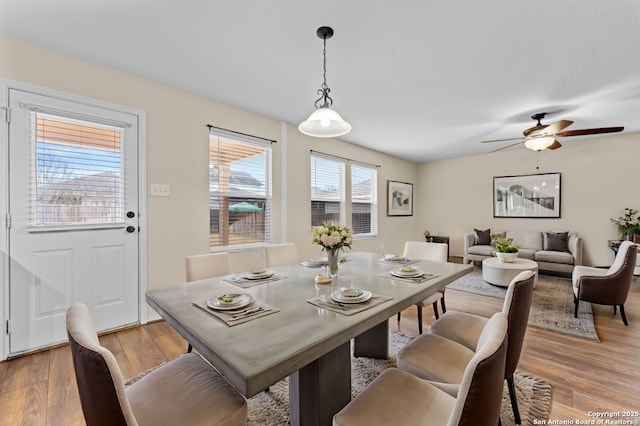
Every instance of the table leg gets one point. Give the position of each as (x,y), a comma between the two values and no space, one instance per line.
(320,389)
(373,343)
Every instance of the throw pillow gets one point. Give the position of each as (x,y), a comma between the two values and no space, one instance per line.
(557,241)
(482,237)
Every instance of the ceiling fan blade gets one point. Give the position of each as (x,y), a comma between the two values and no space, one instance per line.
(532,131)
(505,147)
(503,140)
(595,131)
(554,128)
(554,145)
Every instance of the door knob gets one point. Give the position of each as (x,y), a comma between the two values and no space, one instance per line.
(131,215)
(131,229)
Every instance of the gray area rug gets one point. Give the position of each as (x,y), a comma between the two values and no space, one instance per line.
(272,408)
(552,306)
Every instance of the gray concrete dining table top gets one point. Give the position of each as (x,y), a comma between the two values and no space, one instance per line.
(256,354)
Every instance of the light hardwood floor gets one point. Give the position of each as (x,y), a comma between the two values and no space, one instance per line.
(586,376)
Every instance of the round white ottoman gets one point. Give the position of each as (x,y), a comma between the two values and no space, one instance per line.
(501,273)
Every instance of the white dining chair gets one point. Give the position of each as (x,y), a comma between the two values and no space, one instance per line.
(244,260)
(208,265)
(427,251)
(281,254)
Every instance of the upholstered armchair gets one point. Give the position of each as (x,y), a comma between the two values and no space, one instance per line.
(607,286)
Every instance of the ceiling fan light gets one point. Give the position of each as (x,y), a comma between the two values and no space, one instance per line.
(538,144)
(324,123)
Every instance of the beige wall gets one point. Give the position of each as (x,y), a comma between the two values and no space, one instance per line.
(177,154)
(599,177)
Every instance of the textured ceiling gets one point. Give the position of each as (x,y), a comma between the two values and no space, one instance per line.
(422,80)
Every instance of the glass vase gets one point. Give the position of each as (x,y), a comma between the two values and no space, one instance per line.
(333,262)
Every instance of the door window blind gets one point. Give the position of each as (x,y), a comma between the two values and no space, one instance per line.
(76,175)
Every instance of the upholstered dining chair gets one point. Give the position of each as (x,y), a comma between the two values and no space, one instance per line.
(465,329)
(244,260)
(186,390)
(208,265)
(281,254)
(606,286)
(401,398)
(427,251)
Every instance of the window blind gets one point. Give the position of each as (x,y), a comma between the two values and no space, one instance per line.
(239,189)
(76,176)
(363,199)
(327,190)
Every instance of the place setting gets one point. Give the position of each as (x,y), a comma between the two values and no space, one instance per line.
(395,259)
(254,277)
(348,301)
(235,308)
(411,274)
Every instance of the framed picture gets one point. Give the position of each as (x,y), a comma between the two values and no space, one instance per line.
(399,198)
(530,196)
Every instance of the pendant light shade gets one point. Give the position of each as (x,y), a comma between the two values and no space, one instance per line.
(324,122)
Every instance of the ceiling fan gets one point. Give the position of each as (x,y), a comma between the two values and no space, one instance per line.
(543,136)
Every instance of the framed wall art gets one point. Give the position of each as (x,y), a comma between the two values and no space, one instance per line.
(527,196)
(399,198)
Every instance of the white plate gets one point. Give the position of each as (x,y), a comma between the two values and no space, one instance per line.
(240,301)
(260,276)
(314,263)
(400,273)
(338,297)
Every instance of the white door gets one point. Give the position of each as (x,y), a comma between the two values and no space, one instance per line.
(73,210)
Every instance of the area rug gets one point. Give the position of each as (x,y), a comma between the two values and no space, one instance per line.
(552,307)
(272,407)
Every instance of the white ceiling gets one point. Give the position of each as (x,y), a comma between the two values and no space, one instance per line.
(422,80)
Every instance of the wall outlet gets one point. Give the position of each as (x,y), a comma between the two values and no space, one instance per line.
(160,190)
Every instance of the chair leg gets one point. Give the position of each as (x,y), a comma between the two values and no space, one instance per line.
(189,348)
(575,315)
(419,319)
(435,309)
(615,310)
(514,400)
(624,317)
(399,314)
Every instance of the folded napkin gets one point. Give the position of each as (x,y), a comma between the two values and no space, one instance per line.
(417,280)
(228,316)
(243,282)
(398,262)
(326,302)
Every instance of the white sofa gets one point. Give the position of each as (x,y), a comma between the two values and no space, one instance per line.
(532,246)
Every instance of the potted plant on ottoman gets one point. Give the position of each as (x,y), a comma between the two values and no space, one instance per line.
(505,250)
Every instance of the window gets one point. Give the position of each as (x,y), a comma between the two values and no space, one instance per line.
(363,199)
(239,189)
(330,176)
(77,172)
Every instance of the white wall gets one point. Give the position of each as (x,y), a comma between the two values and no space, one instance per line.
(177,155)
(599,177)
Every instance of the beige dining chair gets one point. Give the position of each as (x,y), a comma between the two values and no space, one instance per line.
(244,260)
(396,397)
(208,265)
(465,329)
(281,254)
(185,391)
(427,251)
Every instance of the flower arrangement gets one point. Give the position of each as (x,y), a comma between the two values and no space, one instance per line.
(503,244)
(332,237)
(628,223)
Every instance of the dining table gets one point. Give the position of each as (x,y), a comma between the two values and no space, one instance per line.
(306,336)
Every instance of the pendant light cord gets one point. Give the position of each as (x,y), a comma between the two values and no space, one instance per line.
(324,91)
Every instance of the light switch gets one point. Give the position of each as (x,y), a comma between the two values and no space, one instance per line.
(160,190)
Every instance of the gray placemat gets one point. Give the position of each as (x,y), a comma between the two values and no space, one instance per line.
(400,262)
(242,282)
(418,280)
(326,302)
(228,316)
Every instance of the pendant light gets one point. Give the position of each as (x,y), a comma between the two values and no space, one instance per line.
(324,122)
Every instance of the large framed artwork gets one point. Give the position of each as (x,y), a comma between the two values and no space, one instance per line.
(529,196)
(399,198)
